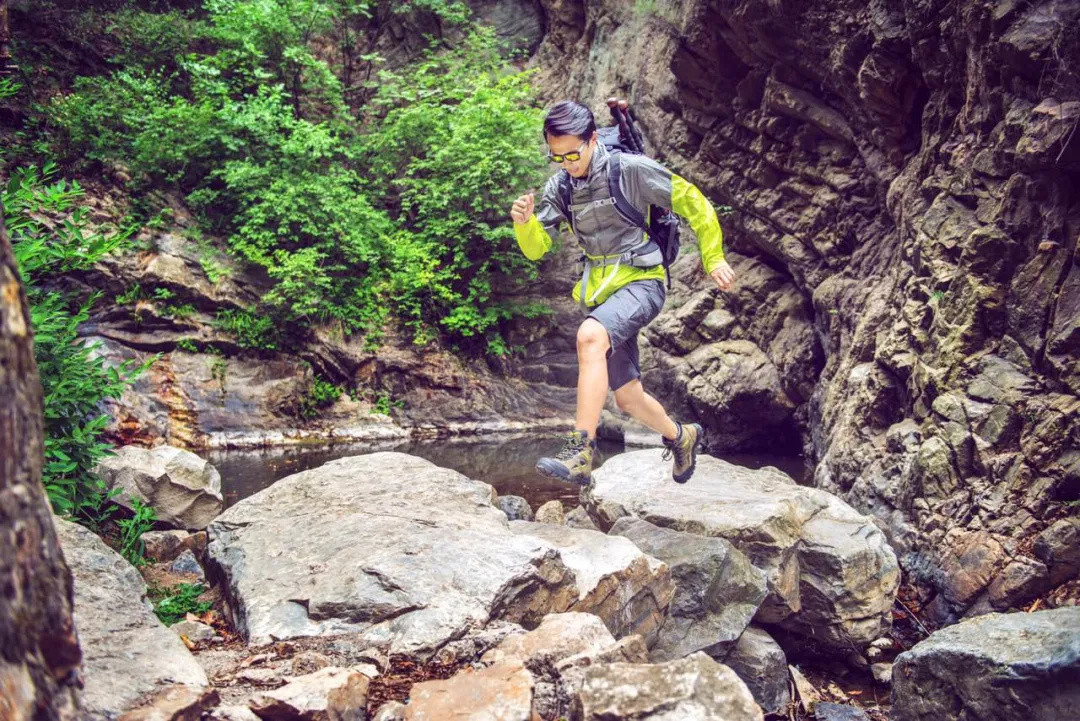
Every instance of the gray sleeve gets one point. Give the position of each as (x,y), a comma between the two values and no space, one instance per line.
(645,182)
(549,209)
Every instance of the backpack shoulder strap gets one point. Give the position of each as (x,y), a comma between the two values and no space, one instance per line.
(622,203)
(564,194)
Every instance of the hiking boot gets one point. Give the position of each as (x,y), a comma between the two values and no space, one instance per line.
(684,449)
(573,463)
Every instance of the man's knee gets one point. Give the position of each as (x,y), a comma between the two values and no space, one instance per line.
(629,397)
(592,337)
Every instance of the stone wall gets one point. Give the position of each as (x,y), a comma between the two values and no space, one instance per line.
(903,178)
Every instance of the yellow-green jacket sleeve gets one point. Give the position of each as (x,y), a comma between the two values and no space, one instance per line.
(534,236)
(533,240)
(689,202)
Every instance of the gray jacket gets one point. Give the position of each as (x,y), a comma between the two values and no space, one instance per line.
(601,230)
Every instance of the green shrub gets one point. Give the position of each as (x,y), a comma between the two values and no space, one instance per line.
(320,394)
(74,377)
(403,214)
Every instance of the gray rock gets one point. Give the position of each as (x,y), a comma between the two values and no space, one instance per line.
(1007,667)
(390,711)
(629,590)
(717,589)
(551,512)
(193,631)
(761,664)
(348,548)
(233,713)
(831,573)
(558,652)
(558,636)
(1059,548)
(839,712)
(127,652)
(736,389)
(882,672)
(516,508)
(164,546)
(326,694)
(175,703)
(183,489)
(579,518)
(695,688)
(187,565)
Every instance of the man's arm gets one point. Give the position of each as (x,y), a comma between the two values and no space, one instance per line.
(533,231)
(646,180)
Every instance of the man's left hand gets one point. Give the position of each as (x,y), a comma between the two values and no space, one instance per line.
(724,275)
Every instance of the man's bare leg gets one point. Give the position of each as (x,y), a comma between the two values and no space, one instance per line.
(632,398)
(592,347)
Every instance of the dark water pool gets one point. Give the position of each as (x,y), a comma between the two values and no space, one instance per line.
(508,464)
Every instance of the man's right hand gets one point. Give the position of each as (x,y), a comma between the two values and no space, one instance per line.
(522,208)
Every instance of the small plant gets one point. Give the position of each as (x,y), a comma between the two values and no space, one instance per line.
(163,294)
(320,394)
(936,297)
(383,404)
(188,345)
(181,600)
(178,312)
(250,329)
(9,88)
(132,295)
(131,530)
(219,370)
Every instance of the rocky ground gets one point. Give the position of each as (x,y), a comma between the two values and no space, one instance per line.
(383,586)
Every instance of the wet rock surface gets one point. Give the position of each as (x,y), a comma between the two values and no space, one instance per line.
(831,574)
(127,652)
(1022,666)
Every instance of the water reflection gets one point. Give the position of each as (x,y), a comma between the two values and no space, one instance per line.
(507,463)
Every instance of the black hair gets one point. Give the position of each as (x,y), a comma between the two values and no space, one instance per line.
(569,118)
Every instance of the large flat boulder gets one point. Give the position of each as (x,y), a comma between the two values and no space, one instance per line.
(831,573)
(127,652)
(183,489)
(406,553)
(717,589)
(629,590)
(997,667)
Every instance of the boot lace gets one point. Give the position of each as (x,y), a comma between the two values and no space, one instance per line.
(678,451)
(574,445)
(675,448)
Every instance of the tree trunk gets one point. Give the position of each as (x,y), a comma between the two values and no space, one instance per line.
(39,651)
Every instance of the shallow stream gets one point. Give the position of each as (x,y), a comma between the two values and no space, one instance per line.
(507,463)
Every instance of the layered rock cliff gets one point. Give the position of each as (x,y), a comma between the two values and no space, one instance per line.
(906,224)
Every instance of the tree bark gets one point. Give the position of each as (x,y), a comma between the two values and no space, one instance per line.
(39,650)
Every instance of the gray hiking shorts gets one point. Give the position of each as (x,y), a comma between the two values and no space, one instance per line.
(627,311)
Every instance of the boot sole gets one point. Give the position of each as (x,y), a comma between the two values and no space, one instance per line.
(685,475)
(553,469)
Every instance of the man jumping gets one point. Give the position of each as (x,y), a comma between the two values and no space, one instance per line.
(622,289)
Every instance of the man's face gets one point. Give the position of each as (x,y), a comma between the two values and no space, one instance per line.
(561,145)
